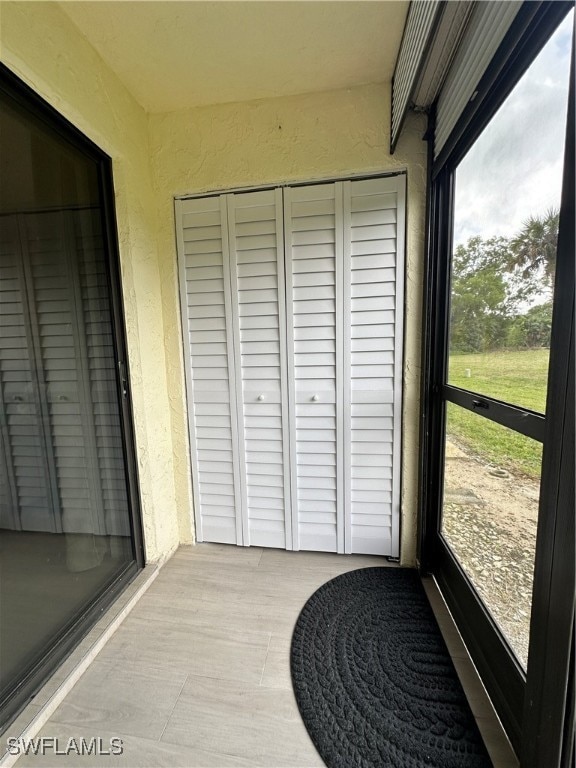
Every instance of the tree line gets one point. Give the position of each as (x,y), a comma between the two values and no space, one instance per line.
(502,289)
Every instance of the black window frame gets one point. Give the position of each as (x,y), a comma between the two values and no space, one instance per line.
(533,706)
(14,89)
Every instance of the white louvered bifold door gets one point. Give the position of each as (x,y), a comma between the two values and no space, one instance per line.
(29,499)
(259,322)
(292,306)
(313,222)
(63,457)
(55,302)
(374,213)
(207,325)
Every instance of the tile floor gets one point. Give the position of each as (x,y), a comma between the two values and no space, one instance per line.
(197,676)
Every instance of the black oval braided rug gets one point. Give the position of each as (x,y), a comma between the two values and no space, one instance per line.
(373,679)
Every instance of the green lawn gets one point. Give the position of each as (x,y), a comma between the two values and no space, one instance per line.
(514,377)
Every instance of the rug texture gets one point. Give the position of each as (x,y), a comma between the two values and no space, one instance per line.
(373,679)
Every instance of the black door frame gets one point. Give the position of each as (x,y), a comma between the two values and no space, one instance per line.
(14,89)
(552,612)
(549,703)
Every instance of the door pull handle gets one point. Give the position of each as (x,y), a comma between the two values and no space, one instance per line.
(480,404)
(123,379)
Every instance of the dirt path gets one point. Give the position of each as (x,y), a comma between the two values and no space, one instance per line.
(490,522)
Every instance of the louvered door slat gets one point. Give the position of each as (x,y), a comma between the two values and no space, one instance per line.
(55,292)
(313,236)
(29,499)
(206,316)
(258,299)
(373,290)
(292,311)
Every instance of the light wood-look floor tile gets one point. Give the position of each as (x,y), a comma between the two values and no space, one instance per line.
(137,752)
(259,723)
(113,698)
(276,672)
(169,645)
(199,674)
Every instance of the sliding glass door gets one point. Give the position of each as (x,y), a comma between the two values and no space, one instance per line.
(66,517)
(498,216)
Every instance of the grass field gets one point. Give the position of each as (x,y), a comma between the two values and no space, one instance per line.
(515,377)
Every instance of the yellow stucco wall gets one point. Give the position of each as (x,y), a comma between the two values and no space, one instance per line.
(296,138)
(41,45)
(156,157)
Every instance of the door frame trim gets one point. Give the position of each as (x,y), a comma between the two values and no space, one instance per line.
(360,176)
(549,716)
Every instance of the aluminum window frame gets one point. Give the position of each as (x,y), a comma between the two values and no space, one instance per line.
(533,706)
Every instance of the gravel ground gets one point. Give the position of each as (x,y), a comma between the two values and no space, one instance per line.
(490,521)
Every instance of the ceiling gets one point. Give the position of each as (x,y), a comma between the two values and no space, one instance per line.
(174,55)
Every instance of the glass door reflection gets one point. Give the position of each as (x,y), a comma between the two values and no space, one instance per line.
(65,530)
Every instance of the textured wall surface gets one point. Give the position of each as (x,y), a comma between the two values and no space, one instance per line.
(296,138)
(42,46)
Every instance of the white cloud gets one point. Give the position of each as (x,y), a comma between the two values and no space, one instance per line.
(514,170)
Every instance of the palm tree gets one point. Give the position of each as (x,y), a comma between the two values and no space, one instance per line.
(533,249)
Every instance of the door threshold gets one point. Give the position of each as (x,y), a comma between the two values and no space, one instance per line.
(497,743)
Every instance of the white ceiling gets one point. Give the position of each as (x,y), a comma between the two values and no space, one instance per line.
(173,55)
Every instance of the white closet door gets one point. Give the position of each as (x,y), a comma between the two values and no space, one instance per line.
(29,493)
(55,302)
(313,232)
(258,312)
(63,456)
(373,308)
(206,316)
(292,303)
